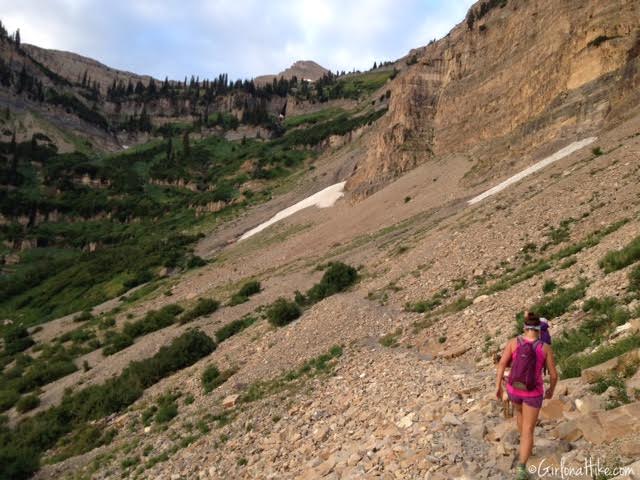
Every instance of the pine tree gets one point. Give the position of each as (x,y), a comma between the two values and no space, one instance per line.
(144,122)
(17,38)
(170,151)
(186,145)
(13,149)
(375,65)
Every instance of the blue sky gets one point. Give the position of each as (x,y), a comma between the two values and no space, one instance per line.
(243,38)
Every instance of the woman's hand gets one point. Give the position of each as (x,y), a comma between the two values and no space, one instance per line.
(548,394)
(499,392)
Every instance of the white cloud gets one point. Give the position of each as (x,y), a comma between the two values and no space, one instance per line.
(241,37)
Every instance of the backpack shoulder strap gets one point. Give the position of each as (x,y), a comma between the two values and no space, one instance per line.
(538,343)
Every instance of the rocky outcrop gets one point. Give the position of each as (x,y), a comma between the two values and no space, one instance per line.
(517,77)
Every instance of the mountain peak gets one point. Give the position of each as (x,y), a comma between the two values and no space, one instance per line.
(303,69)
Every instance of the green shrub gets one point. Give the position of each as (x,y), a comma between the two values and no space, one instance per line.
(336,278)
(603,316)
(597,151)
(152,321)
(115,342)
(28,402)
(204,306)
(559,303)
(315,366)
(83,440)
(212,378)
(618,259)
(195,262)
(8,399)
(249,288)
(16,339)
(549,286)
(46,370)
(634,279)
(167,409)
(83,317)
(234,327)
(139,278)
(281,312)
(573,366)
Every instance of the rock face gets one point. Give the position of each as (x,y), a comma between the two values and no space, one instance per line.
(499,86)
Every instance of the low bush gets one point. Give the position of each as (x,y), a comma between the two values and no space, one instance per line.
(559,303)
(204,306)
(16,340)
(634,279)
(8,399)
(250,288)
(549,286)
(318,365)
(152,321)
(212,377)
(281,312)
(83,317)
(167,409)
(28,402)
(573,366)
(44,371)
(618,259)
(337,278)
(234,327)
(115,341)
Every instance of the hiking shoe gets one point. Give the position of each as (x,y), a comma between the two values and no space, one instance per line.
(521,472)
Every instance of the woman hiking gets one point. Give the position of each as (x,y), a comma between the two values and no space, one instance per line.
(527,355)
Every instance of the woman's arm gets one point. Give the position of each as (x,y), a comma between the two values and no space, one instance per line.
(502,365)
(553,372)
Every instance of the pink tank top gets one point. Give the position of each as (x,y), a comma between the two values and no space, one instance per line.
(540,360)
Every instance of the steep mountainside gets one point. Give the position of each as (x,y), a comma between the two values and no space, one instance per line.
(73,67)
(490,172)
(512,77)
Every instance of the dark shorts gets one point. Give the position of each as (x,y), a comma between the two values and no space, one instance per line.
(534,402)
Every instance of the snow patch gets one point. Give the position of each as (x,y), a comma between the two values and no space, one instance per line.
(568,150)
(322,199)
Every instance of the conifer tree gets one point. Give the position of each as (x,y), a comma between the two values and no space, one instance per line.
(186,146)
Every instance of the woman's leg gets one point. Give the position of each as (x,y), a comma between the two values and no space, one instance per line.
(517,407)
(529,418)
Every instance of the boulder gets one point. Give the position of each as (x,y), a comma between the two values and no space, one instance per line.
(595,373)
(568,431)
(588,404)
(230,401)
(552,410)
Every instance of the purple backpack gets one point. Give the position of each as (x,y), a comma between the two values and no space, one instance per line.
(545,336)
(523,367)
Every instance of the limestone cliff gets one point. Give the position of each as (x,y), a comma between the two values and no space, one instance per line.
(513,76)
